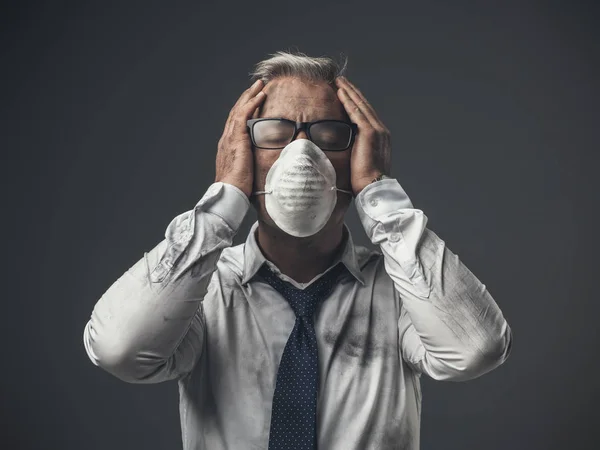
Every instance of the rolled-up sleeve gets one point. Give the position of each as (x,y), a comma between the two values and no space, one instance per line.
(148,326)
(450,327)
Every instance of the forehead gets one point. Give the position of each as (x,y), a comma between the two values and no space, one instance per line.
(302,100)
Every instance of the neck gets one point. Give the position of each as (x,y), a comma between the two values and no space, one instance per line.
(300,258)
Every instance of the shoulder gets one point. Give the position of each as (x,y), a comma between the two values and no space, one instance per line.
(230,266)
(368,259)
(232,260)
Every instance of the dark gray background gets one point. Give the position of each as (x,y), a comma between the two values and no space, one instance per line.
(110,118)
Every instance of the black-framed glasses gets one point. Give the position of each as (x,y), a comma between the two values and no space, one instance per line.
(276,133)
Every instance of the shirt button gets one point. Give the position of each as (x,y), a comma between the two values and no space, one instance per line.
(374,202)
(394,237)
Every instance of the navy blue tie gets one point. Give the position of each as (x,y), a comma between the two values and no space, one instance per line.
(294,415)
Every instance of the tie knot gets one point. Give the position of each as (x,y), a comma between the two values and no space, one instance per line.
(303,302)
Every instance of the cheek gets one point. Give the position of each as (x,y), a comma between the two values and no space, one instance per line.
(263,160)
(341,164)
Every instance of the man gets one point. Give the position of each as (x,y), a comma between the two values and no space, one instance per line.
(298,338)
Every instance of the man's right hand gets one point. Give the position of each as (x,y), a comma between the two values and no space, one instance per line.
(235,163)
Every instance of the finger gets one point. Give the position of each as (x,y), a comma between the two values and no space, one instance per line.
(243,113)
(253,90)
(348,84)
(246,95)
(354,111)
(248,109)
(360,100)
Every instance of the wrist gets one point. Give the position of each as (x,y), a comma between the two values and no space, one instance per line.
(243,187)
(378,176)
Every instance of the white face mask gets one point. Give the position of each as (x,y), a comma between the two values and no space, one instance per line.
(301,189)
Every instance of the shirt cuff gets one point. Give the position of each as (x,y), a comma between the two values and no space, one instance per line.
(379,199)
(223,200)
(226,201)
(390,221)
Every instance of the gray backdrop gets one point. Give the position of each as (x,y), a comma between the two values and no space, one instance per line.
(111,113)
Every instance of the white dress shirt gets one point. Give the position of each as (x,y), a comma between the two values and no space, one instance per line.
(191,310)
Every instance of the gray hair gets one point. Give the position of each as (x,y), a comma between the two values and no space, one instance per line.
(299,65)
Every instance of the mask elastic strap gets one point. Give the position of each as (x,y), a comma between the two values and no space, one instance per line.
(341,190)
(271,191)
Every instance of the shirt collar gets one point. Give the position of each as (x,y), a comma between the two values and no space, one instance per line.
(254,258)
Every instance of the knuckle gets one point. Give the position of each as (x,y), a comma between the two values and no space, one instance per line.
(247,110)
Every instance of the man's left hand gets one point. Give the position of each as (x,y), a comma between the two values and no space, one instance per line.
(371,152)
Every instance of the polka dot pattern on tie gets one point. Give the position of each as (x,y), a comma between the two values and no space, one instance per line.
(294,415)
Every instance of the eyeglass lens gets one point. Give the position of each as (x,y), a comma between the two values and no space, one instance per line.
(328,135)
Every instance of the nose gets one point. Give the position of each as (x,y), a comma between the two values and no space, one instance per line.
(302,135)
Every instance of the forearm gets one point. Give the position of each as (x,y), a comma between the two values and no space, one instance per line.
(452,327)
(147,327)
